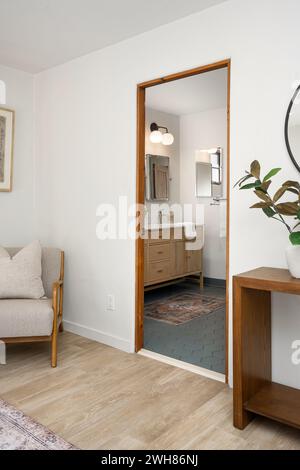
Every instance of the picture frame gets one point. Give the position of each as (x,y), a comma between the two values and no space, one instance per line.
(7,123)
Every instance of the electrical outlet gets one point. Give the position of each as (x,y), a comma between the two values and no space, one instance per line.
(111,304)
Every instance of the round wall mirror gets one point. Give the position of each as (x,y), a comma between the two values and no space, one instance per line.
(292,129)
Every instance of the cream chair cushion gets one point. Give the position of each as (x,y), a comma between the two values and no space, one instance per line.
(25,317)
(20,276)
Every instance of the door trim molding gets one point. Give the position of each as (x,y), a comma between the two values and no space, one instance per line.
(210,374)
(140,194)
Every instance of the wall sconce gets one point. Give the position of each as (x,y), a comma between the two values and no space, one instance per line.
(157,137)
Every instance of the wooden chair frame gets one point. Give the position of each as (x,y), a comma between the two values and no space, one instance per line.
(57,305)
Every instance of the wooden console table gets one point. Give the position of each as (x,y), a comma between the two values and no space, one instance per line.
(254,393)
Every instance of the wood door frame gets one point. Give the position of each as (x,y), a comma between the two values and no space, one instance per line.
(140,194)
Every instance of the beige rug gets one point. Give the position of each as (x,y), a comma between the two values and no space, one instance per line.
(19,432)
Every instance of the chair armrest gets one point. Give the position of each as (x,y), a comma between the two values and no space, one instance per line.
(56,285)
(56,298)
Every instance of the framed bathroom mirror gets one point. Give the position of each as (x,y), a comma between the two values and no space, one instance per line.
(209,169)
(203,179)
(157,178)
(292,129)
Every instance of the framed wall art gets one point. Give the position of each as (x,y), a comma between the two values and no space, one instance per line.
(7,118)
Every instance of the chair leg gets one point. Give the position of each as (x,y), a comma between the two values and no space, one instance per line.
(54,349)
(61,327)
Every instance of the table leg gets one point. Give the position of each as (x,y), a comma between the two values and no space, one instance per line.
(251,347)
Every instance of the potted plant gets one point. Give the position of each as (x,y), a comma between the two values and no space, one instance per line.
(274,209)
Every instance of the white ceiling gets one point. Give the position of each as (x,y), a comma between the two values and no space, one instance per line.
(39,34)
(190,95)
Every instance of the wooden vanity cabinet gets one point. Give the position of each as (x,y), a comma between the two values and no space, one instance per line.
(193,261)
(167,259)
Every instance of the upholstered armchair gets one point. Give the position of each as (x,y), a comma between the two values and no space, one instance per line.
(28,320)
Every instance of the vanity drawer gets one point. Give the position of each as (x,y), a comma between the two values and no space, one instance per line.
(159,252)
(159,236)
(158,270)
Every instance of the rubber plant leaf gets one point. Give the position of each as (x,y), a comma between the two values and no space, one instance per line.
(295,238)
(242,180)
(262,195)
(288,208)
(269,211)
(252,185)
(279,193)
(255,169)
(265,186)
(271,173)
(292,184)
(292,190)
(261,205)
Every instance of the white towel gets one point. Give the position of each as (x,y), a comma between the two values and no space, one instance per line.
(222,215)
(190,231)
(198,242)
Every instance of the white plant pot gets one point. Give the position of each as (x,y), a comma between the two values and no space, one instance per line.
(293,260)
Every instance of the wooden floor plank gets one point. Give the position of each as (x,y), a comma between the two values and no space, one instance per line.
(102,398)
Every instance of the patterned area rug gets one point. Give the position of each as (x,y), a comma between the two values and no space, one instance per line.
(181,308)
(19,432)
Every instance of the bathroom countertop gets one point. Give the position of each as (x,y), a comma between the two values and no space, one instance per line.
(190,228)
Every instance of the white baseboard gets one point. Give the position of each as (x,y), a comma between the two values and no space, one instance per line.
(96,335)
(184,365)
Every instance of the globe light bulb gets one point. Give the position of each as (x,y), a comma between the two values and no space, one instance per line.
(156,137)
(167,139)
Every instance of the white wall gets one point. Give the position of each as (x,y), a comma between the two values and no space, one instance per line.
(198,131)
(86,151)
(17,207)
(171,121)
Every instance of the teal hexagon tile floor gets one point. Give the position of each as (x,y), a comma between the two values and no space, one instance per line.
(200,341)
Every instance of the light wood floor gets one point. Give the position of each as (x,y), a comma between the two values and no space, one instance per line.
(102,398)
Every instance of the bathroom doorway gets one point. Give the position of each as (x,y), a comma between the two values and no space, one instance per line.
(183,249)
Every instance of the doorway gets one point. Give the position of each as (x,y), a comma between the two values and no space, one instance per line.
(190,273)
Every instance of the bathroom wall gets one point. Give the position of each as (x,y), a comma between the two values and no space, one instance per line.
(171,121)
(205,130)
